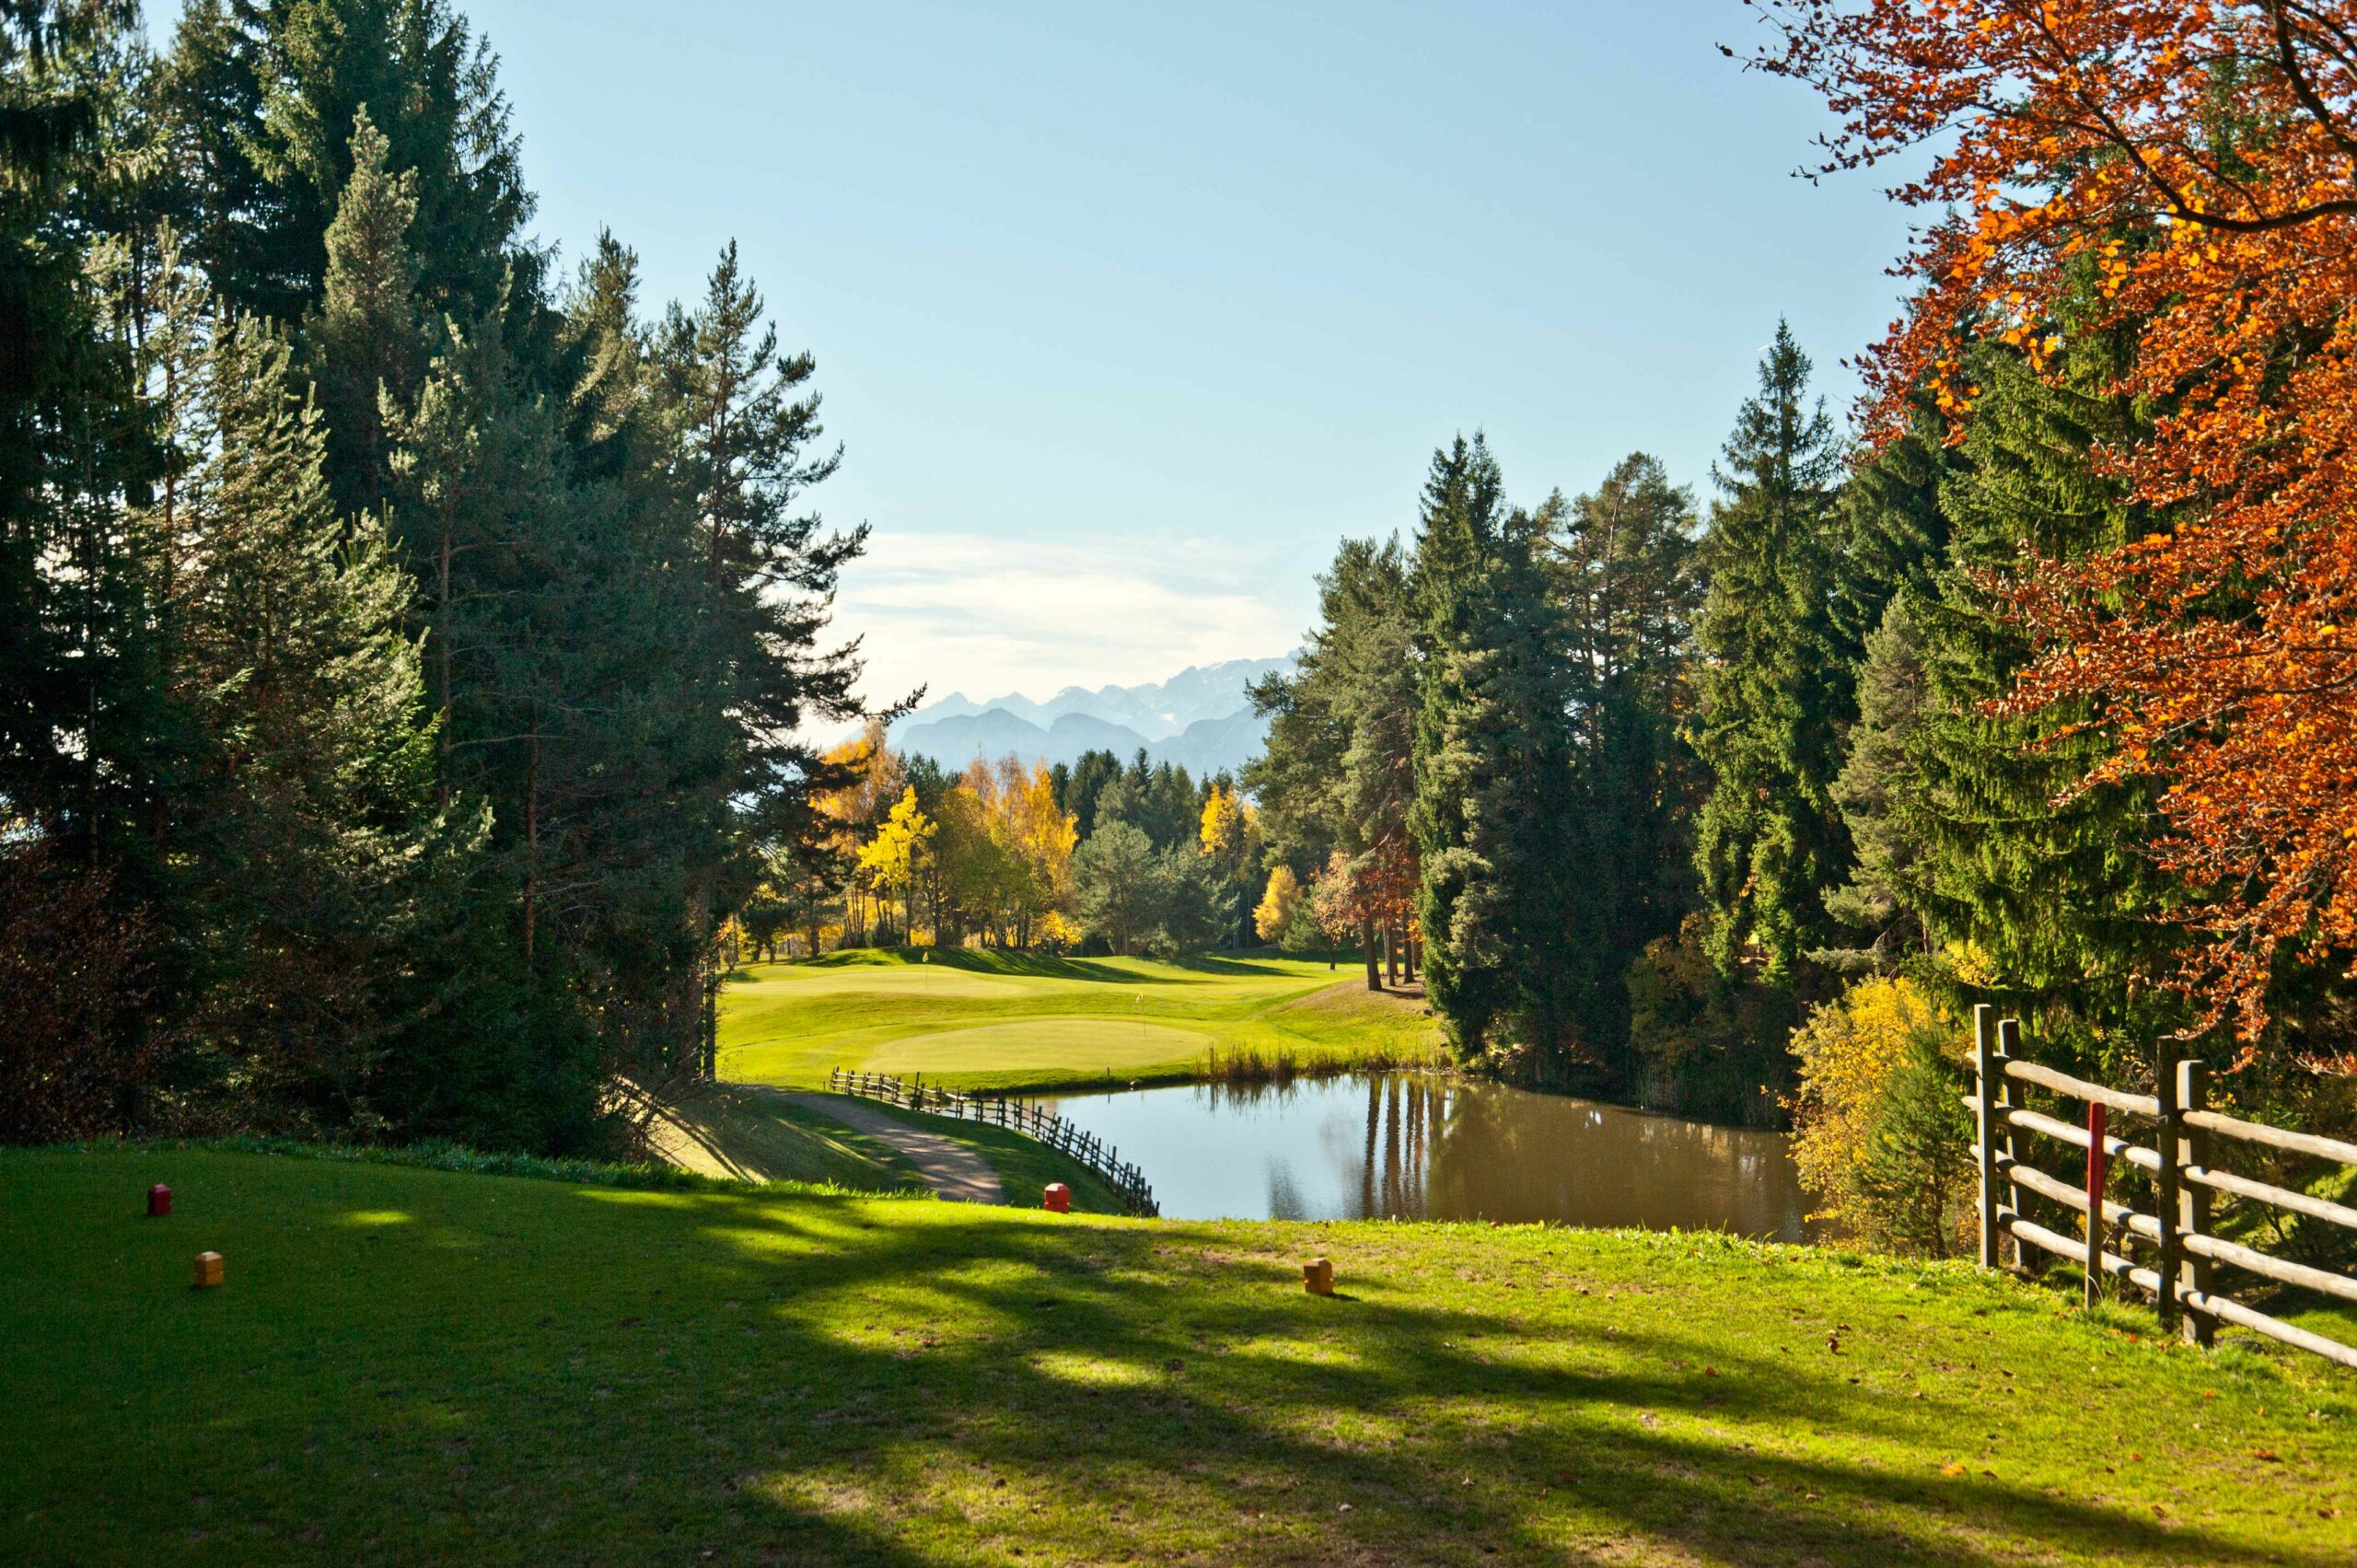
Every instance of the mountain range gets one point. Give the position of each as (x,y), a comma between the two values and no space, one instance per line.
(1200,719)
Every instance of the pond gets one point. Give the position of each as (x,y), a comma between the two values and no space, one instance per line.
(1399,1145)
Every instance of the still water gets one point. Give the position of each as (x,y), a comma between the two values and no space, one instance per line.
(1414,1146)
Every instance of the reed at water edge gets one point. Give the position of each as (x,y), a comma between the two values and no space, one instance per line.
(1283,1065)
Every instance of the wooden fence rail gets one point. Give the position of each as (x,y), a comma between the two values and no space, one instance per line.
(1029,1118)
(2178,1154)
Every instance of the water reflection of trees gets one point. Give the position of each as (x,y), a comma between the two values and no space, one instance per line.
(1433,1149)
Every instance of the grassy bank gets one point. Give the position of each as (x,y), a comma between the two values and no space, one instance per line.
(999,1021)
(408,1365)
(742,1134)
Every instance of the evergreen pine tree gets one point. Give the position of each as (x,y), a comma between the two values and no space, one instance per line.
(364,346)
(2040,895)
(1338,770)
(304,830)
(1494,766)
(1773,688)
(1894,532)
(1623,564)
(1879,774)
(748,423)
(264,99)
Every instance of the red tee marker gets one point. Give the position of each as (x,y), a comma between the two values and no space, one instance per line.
(1059,1198)
(159,1201)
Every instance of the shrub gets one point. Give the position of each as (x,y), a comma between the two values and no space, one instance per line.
(1881,1135)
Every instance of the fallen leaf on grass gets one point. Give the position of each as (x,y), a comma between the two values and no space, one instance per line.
(1952,1470)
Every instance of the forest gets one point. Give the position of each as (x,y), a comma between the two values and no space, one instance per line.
(1100,856)
(410,642)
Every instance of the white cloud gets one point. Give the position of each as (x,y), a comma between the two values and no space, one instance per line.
(984,616)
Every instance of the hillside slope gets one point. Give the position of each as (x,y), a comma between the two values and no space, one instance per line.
(407,1367)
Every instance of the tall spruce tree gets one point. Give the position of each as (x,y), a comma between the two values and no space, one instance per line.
(365,345)
(1894,532)
(1495,796)
(2040,895)
(263,99)
(303,830)
(751,436)
(1773,686)
(1339,769)
(1880,775)
(1624,566)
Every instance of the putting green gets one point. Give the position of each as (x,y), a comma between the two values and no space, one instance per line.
(1113,1044)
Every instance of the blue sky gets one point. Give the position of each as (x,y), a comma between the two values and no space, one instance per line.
(1127,314)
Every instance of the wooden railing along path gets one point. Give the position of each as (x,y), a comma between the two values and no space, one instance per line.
(1031,1119)
(2184,1139)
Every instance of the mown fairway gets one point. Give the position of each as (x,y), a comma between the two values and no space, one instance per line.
(971,1020)
(409,1365)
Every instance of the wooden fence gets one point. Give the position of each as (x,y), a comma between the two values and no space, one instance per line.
(2185,1138)
(1029,1118)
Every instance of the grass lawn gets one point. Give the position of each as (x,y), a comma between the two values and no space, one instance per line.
(409,1365)
(743,1135)
(980,1020)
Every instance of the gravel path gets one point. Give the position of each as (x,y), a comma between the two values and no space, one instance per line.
(950,1168)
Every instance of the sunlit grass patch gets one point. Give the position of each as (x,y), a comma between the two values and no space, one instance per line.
(771,1374)
(1006,1021)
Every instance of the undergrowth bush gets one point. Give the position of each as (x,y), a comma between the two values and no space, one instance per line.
(1880,1132)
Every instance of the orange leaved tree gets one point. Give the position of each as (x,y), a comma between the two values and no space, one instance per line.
(2193,168)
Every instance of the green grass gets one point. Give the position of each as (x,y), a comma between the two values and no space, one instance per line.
(408,1365)
(718,1131)
(980,1020)
(740,1134)
(1024,1166)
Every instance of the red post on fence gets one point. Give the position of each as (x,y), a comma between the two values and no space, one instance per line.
(2098,1168)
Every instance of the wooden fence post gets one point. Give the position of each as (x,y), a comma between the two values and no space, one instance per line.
(2166,1186)
(1984,1056)
(2192,1200)
(2098,1170)
(2008,1045)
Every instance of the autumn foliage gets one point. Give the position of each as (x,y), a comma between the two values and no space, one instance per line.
(2181,176)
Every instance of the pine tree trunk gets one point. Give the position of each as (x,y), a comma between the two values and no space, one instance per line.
(1366,945)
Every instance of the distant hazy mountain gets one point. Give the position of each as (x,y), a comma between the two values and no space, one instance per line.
(1200,719)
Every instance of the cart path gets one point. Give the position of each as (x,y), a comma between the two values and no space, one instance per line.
(950,1167)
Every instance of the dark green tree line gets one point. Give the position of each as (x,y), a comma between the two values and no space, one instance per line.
(414,655)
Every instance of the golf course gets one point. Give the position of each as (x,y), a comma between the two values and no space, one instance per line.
(972,1019)
(417,1365)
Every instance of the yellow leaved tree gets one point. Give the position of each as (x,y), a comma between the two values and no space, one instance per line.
(899,855)
(1280,902)
(1880,1133)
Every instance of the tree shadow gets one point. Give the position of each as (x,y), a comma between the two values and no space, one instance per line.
(572,1374)
(1148,1373)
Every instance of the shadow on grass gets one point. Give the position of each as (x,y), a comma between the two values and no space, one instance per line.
(1228,1398)
(532,1372)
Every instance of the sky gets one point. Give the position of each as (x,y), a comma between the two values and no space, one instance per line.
(1126,315)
